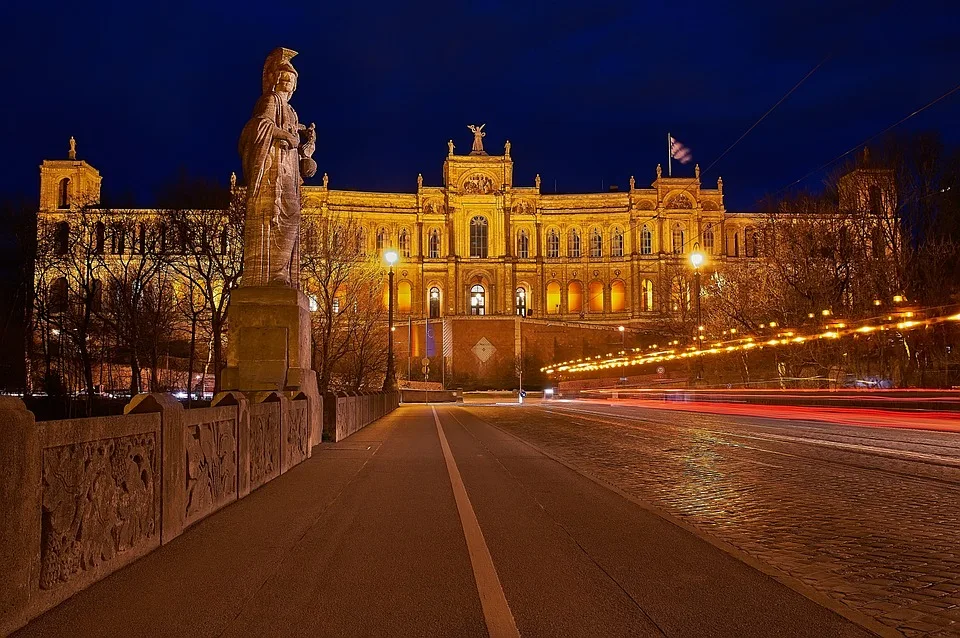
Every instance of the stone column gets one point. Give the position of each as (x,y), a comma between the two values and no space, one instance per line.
(19,511)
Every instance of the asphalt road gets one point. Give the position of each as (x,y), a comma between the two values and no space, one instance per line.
(449,523)
(868,517)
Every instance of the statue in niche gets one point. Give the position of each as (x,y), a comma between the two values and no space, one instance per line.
(478,136)
(274,157)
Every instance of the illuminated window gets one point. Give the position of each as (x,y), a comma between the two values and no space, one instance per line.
(361,241)
(522,302)
(553,298)
(477,300)
(336,305)
(434,302)
(616,243)
(646,295)
(677,239)
(404,297)
(646,241)
(708,239)
(478,238)
(404,243)
(314,306)
(575,297)
(750,238)
(618,296)
(596,243)
(573,244)
(553,243)
(523,244)
(381,240)
(595,296)
(433,244)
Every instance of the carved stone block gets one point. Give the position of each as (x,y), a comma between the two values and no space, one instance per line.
(211,464)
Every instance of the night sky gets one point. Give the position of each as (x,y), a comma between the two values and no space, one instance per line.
(585,91)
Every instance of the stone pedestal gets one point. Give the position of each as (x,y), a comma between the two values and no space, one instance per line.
(269,346)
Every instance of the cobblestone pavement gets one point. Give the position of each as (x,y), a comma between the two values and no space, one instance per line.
(868,516)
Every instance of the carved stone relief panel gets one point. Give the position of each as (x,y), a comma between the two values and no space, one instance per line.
(100,499)
(478,185)
(680,201)
(523,207)
(297,434)
(264,445)
(211,450)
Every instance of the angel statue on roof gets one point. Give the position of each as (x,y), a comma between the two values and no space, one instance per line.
(478,136)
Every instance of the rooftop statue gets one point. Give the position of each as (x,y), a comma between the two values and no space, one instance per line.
(478,136)
(274,157)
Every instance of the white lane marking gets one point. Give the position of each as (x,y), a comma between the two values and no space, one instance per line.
(496,611)
(769,436)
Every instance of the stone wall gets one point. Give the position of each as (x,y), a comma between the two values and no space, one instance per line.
(81,498)
(346,412)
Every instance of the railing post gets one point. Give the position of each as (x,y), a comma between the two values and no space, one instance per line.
(19,510)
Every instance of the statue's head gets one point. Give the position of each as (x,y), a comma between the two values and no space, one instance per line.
(278,72)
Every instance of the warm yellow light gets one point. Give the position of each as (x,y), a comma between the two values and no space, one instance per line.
(876,302)
(621,328)
(773,324)
(391,257)
(825,313)
(898,299)
(696,258)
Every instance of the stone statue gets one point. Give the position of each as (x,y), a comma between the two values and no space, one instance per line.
(720,184)
(274,158)
(478,136)
(659,171)
(326,180)
(450,147)
(506,148)
(536,181)
(633,183)
(72,153)
(696,170)
(233,181)
(419,181)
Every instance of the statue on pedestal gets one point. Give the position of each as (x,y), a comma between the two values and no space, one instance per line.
(274,157)
(478,136)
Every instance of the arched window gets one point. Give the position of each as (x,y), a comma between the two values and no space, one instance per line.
(573,244)
(522,301)
(750,241)
(224,241)
(404,243)
(477,300)
(58,295)
(616,243)
(335,305)
(96,295)
(733,244)
(118,239)
(618,296)
(523,244)
(553,298)
(434,302)
(478,238)
(63,193)
(677,239)
(433,244)
(708,239)
(596,243)
(62,238)
(360,239)
(99,238)
(404,297)
(140,239)
(381,240)
(595,296)
(646,295)
(876,200)
(553,243)
(646,241)
(878,243)
(575,297)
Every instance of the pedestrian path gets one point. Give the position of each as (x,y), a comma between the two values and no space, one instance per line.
(433,522)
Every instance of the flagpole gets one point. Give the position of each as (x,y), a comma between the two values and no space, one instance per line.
(669,158)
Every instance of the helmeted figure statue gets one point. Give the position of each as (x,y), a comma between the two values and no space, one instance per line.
(274,157)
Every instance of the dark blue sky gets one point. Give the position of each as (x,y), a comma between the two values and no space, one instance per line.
(585,91)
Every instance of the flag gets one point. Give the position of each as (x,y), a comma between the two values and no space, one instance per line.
(428,337)
(680,152)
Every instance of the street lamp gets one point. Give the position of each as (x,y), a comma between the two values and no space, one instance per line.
(390,380)
(696,258)
(622,335)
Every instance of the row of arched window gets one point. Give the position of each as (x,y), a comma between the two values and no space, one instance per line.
(120,238)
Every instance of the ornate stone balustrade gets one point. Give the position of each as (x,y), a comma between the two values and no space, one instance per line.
(346,412)
(81,498)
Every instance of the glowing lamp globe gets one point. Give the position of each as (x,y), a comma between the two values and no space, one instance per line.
(696,259)
(391,257)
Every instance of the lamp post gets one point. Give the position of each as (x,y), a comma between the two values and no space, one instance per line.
(390,380)
(696,258)
(623,332)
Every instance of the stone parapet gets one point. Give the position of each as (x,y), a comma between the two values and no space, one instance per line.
(348,412)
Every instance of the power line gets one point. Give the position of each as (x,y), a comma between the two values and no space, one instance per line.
(870,139)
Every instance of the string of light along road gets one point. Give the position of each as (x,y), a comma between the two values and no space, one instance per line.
(899,321)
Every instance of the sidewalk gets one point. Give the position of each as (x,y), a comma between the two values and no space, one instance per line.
(366,539)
